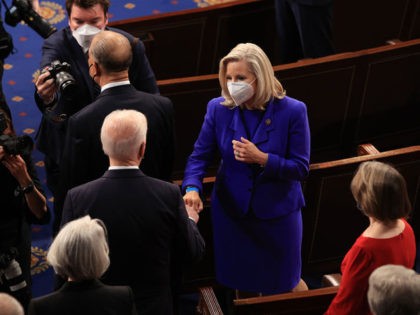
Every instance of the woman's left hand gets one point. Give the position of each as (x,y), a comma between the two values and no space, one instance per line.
(247,152)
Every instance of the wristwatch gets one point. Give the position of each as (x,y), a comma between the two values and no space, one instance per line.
(28,189)
(24,190)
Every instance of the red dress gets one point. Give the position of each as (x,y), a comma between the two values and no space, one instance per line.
(365,256)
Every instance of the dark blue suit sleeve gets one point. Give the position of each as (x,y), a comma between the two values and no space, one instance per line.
(191,244)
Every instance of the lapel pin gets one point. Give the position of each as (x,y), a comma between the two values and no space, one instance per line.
(268,121)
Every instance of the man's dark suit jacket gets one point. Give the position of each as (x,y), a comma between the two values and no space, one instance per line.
(89,297)
(63,46)
(84,160)
(149,233)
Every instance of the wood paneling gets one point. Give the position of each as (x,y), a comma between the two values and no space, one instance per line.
(331,220)
(370,95)
(191,42)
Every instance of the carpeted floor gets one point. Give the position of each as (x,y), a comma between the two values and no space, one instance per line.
(20,70)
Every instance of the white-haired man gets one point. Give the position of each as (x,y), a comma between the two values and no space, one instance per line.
(151,233)
(110,55)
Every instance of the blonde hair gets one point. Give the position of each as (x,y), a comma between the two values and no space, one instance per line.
(381,192)
(80,250)
(267,85)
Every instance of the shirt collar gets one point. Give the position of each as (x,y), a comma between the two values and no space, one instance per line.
(113,84)
(131,167)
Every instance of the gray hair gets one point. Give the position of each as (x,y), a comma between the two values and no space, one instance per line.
(9,305)
(394,290)
(80,250)
(123,132)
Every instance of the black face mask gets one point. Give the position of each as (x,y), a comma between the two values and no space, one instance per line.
(96,85)
(93,78)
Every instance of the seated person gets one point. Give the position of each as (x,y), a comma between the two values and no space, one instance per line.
(394,290)
(381,194)
(79,253)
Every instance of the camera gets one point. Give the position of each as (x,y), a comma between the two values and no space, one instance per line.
(59,71)
(22,10)
(14,145)
(11,270)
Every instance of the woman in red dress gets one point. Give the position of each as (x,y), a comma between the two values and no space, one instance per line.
(381,194)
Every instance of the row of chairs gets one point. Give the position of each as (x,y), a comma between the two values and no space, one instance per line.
(367,96)
(331,225)
(191,42)
(371,95)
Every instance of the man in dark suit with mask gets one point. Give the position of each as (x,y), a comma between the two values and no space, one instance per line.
(152,236)
(83,159)
(86,18)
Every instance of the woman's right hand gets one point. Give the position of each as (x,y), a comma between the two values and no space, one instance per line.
(192,199)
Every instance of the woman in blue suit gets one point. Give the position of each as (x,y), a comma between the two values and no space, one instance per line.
(264,142)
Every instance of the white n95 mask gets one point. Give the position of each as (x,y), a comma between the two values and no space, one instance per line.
(84,35)
(240,91)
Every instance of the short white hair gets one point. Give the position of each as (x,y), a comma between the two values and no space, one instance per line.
(395,290)
(9,305)
(123,132)
(80,250)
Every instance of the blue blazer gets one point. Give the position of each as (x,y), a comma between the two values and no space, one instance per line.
(276,189)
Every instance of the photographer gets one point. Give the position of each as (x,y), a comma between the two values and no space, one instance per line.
(70,45)
(22,203)
(6,43)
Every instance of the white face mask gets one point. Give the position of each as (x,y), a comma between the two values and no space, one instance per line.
(240,91)
(84,35)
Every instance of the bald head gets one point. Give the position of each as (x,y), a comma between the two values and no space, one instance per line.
(112,51)
(9,305)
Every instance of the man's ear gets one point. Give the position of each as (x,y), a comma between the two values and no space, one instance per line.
(142,150)
(97,68)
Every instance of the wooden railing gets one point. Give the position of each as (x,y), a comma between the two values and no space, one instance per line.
(331,220)
(371,95)
(191,42)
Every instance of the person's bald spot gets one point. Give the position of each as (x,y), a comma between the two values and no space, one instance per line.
(112,51)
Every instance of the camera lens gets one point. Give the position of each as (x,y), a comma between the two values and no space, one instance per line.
(66,83)
(13,274)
